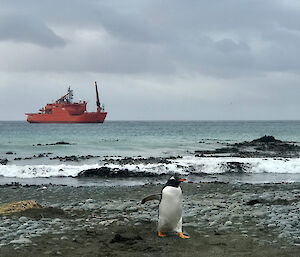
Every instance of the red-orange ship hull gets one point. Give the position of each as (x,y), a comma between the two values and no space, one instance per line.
(88,117)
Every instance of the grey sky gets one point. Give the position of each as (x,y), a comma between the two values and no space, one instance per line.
(153,59)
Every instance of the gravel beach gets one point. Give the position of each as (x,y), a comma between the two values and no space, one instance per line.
(223,219)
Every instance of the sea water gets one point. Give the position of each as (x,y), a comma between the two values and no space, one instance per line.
(143,139)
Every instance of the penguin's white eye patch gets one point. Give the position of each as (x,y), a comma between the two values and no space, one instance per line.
(172,178)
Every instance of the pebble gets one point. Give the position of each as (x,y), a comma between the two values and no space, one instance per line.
(21,240)
(228,223)
(201,211)
(23,219)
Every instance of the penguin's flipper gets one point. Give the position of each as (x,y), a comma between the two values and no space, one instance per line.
(182,235)
(151,197)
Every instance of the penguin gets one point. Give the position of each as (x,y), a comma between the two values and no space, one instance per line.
(170,208)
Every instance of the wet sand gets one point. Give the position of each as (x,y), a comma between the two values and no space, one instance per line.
(222,220)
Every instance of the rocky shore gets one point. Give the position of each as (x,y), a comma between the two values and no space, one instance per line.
(264,147)
(222,219)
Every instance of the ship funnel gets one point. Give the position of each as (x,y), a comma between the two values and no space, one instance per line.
(97,98)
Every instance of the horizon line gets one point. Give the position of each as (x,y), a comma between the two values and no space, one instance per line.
(204,120)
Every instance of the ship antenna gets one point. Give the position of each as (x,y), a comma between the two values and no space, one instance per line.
(70,95)
(97,98)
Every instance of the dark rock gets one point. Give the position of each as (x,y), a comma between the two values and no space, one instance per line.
(254,201)
(111,173)
(235,167)
(140,160)
(10,153)
(73,158)
(57,143)
(272,202)
(3,161)
(264,147)
(62,143)
(121,239)
(266,139)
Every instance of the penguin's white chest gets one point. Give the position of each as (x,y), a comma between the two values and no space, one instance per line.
(170,209)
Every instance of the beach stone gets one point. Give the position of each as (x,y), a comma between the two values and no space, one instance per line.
(21,240)
(228,223)
(14,226)
(33,226)
(107,222)
(120,223)
(132,209)
(214,223)
(237,195)
(21,232)
(23,219)
(23,226)
(259,214)
(284,235)
(222,228)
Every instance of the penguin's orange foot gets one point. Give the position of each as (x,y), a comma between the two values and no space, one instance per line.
(182,235)
(160,234)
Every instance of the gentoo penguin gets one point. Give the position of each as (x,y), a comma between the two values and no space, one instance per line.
(170,208)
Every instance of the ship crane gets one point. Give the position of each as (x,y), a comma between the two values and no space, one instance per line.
(68,97)
(97,98)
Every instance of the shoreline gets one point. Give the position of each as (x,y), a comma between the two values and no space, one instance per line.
(222,219)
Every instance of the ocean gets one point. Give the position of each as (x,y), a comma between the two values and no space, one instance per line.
(33,155)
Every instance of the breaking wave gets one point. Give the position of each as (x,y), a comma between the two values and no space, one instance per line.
(186,165)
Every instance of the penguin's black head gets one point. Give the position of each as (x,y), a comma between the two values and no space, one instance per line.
(174,181)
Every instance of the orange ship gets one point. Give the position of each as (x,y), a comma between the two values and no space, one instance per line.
(65,111)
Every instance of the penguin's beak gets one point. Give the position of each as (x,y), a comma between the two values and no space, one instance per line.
(182,179)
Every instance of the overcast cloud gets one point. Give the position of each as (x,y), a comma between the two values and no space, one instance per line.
(153,59)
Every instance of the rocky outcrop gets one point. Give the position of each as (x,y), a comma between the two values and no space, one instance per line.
(73,158)
(107,172)
(263,147)
(141,160)
(57,143)
(236,167)
(3,161)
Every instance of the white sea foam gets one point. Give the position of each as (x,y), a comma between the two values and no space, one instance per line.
(217,165)
(252,165)
(42,171)
(183,165)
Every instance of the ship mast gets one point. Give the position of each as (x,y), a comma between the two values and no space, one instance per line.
(97,98)
(68,97)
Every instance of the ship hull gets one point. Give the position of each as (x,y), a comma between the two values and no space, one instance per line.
(87,117)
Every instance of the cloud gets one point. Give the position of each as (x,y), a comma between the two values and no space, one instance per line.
(24,28)
(211,38)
